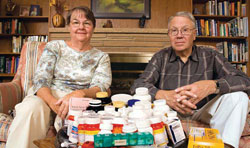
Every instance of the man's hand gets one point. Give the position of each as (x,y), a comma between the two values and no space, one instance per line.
(195,91)
(63,103)
(171,98)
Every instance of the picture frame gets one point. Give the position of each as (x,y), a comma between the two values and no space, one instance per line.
(24,10)
(34,10)
(129,9)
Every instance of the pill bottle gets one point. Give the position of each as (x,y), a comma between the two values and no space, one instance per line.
(73,136)
(95,105)
(161,106)
(141,94)
(71,118)
(105,128)
(81,135)
(91,128)
(118,123)
(159,132)
(144,126)
(103,96)
(129,128)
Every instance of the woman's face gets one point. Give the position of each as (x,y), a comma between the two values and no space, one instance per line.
(81,29)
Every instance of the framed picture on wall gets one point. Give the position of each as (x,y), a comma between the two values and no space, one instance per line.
(129,9)
(24,11)
(34,10)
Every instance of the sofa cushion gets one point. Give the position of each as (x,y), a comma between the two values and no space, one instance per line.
(30,55)
(5,122)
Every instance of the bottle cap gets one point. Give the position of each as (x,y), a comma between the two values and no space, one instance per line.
(131,102)
(109,108)
(172,114)
(129,128)
(155,119)
(160,102)
(95,102)
(101,94)
(141,91)
(142,123)
(118,104)
(119,120)
(90,120)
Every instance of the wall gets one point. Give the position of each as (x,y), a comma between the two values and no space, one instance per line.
(160,11)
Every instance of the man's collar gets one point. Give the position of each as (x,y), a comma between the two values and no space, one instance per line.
(193,55)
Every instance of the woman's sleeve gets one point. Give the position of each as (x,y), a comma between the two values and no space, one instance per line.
(45,68)
(102,77)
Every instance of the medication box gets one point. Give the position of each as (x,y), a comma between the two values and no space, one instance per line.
(204,138)
(124,139)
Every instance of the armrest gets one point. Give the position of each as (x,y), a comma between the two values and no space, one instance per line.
(10,95)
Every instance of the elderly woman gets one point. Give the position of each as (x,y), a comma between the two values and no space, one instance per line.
(66,69)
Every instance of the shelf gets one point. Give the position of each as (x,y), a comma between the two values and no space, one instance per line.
(238,62)
(29,34)
(219,17)
(219,38)
(9,53)
(7,74)
(26,18)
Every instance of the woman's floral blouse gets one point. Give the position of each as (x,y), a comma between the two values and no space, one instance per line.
(63,68)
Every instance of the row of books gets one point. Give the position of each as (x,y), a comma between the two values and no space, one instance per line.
(12,26)
(242,67)
(9,64)
(233,28)
(227,8)
(234,52)
(18,41)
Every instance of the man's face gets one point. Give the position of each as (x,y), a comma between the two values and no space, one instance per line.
(182,33)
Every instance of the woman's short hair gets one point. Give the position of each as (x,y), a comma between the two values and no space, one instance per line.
(183,14)
(88,14)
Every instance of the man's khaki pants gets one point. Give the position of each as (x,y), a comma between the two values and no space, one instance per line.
(227,113)
(32,121)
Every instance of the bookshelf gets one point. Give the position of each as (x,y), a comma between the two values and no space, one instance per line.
(224,24)
(15,30)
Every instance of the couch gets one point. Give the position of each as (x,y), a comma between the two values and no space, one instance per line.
(13,92)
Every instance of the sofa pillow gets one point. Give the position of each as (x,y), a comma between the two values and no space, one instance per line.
(5,121)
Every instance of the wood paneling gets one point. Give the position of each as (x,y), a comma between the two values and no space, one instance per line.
(160,11)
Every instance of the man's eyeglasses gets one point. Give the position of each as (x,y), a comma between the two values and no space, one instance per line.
(183,31)
(86,24)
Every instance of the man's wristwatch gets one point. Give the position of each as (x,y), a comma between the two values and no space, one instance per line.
(217,87)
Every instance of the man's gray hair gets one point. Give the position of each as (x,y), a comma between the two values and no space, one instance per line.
(183,14)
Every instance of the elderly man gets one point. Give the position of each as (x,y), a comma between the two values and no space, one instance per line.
(198,82)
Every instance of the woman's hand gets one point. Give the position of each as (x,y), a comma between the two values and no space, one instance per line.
(53,106)
(63,103)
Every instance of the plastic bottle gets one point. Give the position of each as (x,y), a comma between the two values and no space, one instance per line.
(159,131)
(81,134)
(144,126)
(118,123)
(105,128)
(73,136)
(141,94)
(129,128)
(91,128)
(71,119)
